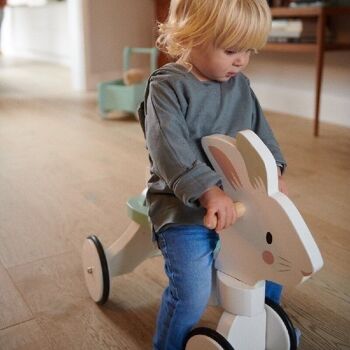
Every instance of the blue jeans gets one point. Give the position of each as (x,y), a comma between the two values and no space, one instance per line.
(188,252)
(188,256)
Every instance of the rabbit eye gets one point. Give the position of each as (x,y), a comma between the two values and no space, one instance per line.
(269,237)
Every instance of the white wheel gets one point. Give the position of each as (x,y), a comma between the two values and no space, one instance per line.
(95,269)
(204,338)
(280,332)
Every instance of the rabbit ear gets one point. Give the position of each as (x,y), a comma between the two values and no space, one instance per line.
(226,160)
(260,162)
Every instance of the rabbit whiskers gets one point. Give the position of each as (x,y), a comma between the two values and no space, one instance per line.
(285,265)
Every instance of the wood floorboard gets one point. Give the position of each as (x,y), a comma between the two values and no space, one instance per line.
(36,234)
(55,291)
(65,173)
(24,336)
(13,308)
(322,327)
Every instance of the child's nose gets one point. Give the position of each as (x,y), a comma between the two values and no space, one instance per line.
(240,60)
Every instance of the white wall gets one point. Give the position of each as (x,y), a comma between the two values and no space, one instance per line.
(38,32)
(286,83)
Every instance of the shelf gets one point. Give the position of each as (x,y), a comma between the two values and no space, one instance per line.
(337,46)
(290,47)
(295,12)
(304,47)
(309,11)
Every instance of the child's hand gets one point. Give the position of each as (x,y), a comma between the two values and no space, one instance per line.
(220,209)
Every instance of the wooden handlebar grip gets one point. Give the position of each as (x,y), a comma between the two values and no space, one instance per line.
(240,210)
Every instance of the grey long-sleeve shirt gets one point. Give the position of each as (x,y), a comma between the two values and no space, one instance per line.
(178,111)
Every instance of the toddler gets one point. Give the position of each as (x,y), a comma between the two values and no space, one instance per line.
(204,92)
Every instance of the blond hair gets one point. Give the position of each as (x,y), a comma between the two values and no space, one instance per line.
(229,24)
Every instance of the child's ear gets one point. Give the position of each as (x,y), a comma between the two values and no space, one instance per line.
(226,160)
(260,163)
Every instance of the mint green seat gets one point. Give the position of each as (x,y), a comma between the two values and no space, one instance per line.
(115,95)
(138,211)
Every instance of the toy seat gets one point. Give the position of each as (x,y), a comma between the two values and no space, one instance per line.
(138,210)
(115,95)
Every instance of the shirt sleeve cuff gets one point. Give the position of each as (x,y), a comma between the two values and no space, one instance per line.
(282,167)
(194,183)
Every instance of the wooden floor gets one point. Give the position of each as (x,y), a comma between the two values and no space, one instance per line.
(65,174)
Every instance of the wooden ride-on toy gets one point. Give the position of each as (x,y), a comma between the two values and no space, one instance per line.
(269,241)
(115,95)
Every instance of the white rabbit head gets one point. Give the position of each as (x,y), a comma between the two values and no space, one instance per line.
(271,240)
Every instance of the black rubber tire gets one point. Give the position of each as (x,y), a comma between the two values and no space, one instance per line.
(210,333)
(286,320)
(104,265)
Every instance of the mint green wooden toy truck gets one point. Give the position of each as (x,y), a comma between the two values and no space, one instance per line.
(115,95)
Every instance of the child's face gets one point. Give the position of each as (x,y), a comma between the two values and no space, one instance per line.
(211,63)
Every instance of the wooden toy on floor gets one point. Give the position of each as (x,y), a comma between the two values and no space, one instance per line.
(126,94)
(269,241)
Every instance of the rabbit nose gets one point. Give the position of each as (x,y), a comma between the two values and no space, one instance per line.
(306,274)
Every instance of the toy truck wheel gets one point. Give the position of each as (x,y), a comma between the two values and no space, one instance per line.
(206,338)
(96,269)
(280,332)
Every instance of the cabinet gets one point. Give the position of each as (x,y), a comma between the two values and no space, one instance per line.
(322,14)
